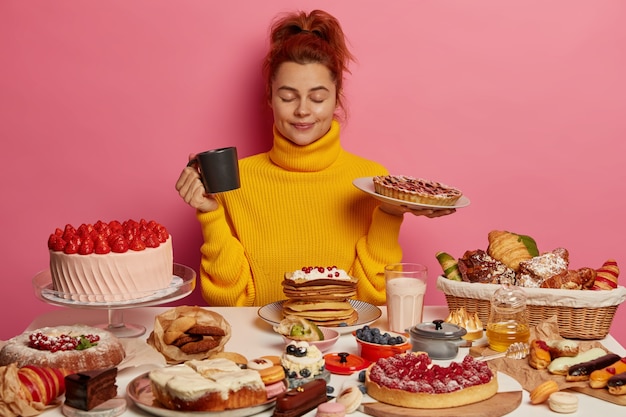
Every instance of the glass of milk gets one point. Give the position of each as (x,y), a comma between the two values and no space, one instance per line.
(405,284)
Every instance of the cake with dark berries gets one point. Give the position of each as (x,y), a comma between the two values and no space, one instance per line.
(411,380)
(111,261)
(416,190)
(88,389)
(74,348)
(321,295)
(303,363)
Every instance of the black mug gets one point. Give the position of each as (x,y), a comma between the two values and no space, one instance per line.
(218,168)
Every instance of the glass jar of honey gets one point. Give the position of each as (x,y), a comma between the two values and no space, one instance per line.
(508,318)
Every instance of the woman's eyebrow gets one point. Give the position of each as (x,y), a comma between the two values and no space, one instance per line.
(287,88)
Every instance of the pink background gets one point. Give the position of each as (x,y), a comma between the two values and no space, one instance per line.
(519,103)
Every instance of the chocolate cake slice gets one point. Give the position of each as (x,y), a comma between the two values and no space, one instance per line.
(88,389)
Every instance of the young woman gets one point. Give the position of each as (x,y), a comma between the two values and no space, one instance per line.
(297,205)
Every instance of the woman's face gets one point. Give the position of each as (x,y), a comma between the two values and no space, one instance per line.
(304,100)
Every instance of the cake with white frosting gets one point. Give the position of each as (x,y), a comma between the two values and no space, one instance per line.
(208,385)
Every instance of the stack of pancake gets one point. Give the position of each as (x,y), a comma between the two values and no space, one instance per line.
(322,298)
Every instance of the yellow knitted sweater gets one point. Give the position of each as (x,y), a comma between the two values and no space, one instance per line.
(296,207)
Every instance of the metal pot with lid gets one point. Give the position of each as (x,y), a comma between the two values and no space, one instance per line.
(441,340)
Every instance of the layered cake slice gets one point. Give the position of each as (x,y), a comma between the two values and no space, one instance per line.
(87,390)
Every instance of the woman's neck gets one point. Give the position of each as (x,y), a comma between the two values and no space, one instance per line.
(310,158)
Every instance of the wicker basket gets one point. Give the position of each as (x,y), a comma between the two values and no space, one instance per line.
(580,314)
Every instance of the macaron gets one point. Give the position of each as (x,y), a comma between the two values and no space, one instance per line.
(351,397)
(273,390)
(563,402)
(271,375)
(331,409)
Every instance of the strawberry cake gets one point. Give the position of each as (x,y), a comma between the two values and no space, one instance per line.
(411,380)
(111,261)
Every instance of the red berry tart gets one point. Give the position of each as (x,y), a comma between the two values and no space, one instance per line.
(416,190)
(411,380)
(111,261)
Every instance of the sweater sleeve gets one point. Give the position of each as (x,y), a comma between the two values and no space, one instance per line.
(379,247)
(225,274)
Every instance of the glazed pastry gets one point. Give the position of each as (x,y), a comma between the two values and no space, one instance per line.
(581,371)
(478,266)
(511,248)
(543,391)
(563,402)
(539,357)
(606,276)
(617,384)
(582,278)
(533,272)
(560,348)
(560,366)
(600,377)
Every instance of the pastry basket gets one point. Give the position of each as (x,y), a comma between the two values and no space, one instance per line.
(581,314)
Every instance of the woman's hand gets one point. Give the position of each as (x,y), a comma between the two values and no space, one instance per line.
(400,210)
(191,189)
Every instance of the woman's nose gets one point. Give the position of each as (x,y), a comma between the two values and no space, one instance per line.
(302,108)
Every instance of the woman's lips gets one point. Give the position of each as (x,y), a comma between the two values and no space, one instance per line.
(302,126)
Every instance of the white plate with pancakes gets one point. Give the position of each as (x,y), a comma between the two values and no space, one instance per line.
(140,392)
(366,184)
(367,313)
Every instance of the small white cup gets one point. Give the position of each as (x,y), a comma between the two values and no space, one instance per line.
(405,284)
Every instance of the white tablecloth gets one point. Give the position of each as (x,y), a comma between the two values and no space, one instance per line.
(253,337)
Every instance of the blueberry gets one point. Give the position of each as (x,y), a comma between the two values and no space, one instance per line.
(329,389)
(363,389)
(305,373)
(362,376)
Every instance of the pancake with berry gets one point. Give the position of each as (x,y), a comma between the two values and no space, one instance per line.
(321,295)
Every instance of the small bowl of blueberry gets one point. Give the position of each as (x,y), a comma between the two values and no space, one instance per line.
(374,343)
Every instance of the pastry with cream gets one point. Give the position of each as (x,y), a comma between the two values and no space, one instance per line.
(207,385)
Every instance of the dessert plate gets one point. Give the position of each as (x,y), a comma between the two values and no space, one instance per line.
(140,392)
(366,185)
(273,313)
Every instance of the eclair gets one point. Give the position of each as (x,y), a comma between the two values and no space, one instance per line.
(617,384)
(600,377)
(560,366)
(581,371)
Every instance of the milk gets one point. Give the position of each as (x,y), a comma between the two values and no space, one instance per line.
(405,302)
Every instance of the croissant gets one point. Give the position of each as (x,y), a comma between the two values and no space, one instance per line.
(511,248)
(607,275)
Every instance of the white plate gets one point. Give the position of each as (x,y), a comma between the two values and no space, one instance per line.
(366,185)
(140,392)
(368,313)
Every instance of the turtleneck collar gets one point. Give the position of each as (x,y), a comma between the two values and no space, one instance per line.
(313,157)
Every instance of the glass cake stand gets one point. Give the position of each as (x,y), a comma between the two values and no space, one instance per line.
(183,283)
